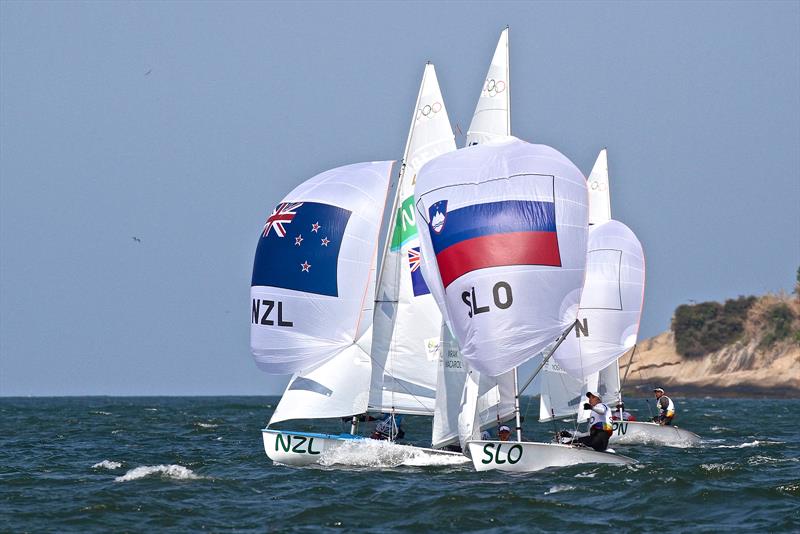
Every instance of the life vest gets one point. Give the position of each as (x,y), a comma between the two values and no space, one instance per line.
(670,409)
(600,418)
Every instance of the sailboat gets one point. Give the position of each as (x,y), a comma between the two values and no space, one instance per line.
(505,254)
(390,365)
(626,432)
(311,296)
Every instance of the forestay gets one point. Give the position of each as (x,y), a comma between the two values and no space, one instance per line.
(311,290)
(492,117)
(611,305)
(407,320)
(505,246)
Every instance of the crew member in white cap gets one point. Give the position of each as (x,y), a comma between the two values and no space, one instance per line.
(504,433)
(666,408)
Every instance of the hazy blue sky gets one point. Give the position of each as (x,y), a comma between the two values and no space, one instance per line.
(184,123)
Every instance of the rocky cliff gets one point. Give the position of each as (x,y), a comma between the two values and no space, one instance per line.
(756,364)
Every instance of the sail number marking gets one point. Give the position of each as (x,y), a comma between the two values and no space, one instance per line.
(302,444)
(268,306)
(619,428)
(501,295)
(513,455)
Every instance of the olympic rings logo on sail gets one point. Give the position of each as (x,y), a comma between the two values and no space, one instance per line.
(429,110)
(494,87)
(602,186)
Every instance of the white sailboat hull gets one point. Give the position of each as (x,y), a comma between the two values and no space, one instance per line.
(307,448)
(643,432)
(524,457)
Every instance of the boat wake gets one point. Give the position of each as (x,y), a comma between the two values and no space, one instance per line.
(373,453)
(172,471)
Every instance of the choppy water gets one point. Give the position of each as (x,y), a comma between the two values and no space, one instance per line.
(188,464)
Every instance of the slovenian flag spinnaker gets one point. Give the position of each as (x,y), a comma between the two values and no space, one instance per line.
(504,247)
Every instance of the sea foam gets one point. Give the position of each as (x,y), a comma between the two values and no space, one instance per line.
(107,464)
(175,472)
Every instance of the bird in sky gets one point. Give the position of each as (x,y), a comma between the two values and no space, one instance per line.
(148,72)
(136,239)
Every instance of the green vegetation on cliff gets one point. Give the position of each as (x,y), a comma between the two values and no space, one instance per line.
(709,326)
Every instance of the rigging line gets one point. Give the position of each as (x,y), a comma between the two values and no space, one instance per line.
(425,408)
(627,369)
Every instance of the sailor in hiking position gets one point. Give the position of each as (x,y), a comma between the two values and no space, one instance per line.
(666,408)
(600,429)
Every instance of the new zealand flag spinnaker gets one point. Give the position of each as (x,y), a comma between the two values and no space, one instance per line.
(299,248)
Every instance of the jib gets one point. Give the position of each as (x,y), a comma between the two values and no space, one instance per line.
(513,455)
(300,446)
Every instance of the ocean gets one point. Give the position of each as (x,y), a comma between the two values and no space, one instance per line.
(179,464)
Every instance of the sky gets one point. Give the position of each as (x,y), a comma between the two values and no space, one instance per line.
(183,124)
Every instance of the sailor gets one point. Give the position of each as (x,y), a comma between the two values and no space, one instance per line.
(600,429)
(666,408)
(389,427)
(504,433)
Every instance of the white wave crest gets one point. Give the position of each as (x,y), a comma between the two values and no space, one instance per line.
(374,453)
(754,443)
(586,475)
(559,488)
(718,468)
(206,425)
(107,464)
(99,412)
(176,472)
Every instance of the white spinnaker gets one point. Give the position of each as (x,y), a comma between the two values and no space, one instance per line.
(599,194)
(323,325)
(407,320)
(611,304)
(514,207)
(492,117)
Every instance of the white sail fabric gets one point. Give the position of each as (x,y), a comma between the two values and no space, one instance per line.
(608,384)
(407,320)
(313,266)
(611,304)
(335,388)
(599,194)
(561,394)
(504,243)
(452,375)
(492,117)
(493,397)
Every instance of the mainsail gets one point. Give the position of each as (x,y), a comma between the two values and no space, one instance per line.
(492,117)
(505,246)
(311,290)
(407,321)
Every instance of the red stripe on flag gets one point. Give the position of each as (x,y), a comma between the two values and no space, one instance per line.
(516,248)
